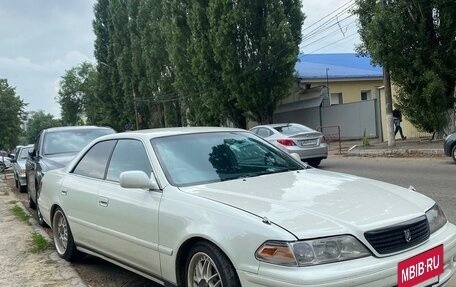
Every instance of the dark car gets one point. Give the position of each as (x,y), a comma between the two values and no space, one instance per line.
(449,145)
(54,148)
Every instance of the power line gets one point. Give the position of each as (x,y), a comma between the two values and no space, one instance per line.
(333,32)
(326,16)
(332,43)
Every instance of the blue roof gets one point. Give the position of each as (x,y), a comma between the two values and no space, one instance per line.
(344,65)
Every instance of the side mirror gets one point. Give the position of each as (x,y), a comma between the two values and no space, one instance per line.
(137,179)
(32,153)
(295,156)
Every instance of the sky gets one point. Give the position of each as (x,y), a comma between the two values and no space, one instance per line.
(41,39)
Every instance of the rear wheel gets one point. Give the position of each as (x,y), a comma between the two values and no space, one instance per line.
(63,238)
(208,266)
(453,152)
(31,203)
(314,162)
(38,211)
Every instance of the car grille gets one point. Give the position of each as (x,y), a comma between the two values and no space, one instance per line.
(399,237)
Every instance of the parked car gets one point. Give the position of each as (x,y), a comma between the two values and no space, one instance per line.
(449,145)
(54,148)
(5,162)
(21,154)
(308,143)
(224,207)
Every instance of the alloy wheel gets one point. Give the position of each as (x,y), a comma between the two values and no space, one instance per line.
(60,231)
(202,272)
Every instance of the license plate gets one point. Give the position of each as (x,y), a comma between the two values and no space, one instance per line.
(422,269)
(308,142)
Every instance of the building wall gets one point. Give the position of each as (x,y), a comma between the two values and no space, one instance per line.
(351,89)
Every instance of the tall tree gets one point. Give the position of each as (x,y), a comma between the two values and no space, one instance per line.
(77,94)
(105,66)
(11,110)
(416,40)
(256,44)
(37,123)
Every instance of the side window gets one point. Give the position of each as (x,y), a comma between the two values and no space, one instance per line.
(128,155)
(93,164)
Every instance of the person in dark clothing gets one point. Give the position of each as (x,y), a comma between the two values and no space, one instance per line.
(397,119)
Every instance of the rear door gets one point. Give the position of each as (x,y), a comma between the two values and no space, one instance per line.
(79,194)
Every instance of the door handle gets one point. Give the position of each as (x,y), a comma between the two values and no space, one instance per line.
(103,202)
(64,192)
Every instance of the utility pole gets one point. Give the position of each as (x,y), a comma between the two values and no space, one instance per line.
(388,101)
(389,106)
(136,109)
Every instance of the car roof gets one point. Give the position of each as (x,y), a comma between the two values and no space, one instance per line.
(160,132)
(276,125)
(69,128)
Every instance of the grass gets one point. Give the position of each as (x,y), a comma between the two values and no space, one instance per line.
(12,202)
(39,243)
(20,213)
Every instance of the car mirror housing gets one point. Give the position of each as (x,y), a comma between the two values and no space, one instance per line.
(137,179)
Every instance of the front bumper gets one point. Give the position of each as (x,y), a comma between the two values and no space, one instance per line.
(22,179)
(364,272)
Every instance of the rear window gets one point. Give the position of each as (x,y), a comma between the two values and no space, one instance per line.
(293,129)
(71,141)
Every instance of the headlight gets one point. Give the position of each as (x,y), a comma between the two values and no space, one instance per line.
(436,218)
(312,252)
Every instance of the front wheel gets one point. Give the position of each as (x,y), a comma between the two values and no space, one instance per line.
(208,266)
(453,152)
(63,238)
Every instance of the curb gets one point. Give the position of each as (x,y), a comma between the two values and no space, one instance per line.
(396,152)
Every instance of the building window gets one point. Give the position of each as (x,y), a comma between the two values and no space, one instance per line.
(336,99)
(366,95)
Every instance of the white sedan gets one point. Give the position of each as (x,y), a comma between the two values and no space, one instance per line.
(223,207)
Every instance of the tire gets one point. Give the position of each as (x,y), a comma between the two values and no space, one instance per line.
(314,162)
(63,238)
(31,203)
(453,153)
(22,188)
(217,267)
(38,211)
(2,167)
(16,181)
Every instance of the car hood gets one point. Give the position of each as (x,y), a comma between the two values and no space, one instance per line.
(313,203)
(56,161)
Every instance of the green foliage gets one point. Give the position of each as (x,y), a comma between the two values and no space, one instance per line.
(181,62)
(19,213)
(39,243)
(77,94)
(415,40)
(11,111)
(37,123)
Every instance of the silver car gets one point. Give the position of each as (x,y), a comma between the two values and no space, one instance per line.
(20,158)
(296,138)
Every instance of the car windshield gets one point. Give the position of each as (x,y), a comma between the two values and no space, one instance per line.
(24,153)
(212,157)
(293,129)
(70,141)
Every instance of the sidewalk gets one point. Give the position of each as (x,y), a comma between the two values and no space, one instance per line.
(403,148)
(18,265)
